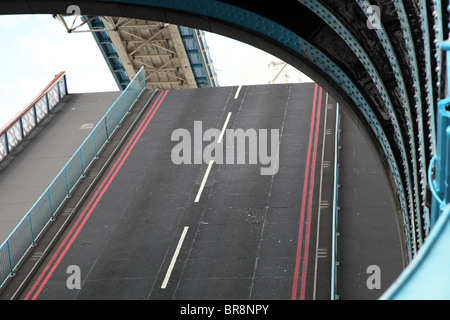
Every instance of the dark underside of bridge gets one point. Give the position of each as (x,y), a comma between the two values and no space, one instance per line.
(390,68)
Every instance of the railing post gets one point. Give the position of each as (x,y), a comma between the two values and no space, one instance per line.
(135,90)
(95,145)
(21,128)
(52,218)
(6,142)
(106,127)
(33,240)
(335,233)
(35,115)
(67,182)
(59,92)
(126,99)
(11,266)
(83,175)
(65,84)
(47,102)
(117,114)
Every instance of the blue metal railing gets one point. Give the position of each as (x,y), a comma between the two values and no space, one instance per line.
(427,276)
(16,130)
(334,262)
(25,235)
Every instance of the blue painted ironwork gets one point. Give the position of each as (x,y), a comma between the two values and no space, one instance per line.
(334,236)
(413,65)
(439,181)
(194,41)
(351,41)
(46,208)
(427,276)
(429,72)
(413,185)
(199,57)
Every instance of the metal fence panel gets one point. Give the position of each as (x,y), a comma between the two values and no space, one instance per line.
(41,109)
(3,151)
(100,136)
(40,214)
(20,241)
(14,134)
(54,96)
(73,171)
(111,120)
(58,191)
(28,121)
(87,154)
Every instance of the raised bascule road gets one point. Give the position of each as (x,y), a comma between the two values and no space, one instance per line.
(177,188)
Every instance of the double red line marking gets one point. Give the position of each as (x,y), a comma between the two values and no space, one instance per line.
(51,266)
(307,198)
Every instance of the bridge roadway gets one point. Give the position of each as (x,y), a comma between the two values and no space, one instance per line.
(141,234)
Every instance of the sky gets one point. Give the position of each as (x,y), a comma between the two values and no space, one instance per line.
(35,48)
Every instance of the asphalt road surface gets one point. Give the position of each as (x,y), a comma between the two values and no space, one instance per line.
(219,229)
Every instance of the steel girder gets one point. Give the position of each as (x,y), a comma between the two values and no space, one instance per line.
(174,57)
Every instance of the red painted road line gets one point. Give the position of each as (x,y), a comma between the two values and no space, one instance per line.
(95,199)
(310,202)
(89,204)
(304,196)
(112,173)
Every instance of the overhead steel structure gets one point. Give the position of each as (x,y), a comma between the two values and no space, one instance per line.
(380,59)
(174,57)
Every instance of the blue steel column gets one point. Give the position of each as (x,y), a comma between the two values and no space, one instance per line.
(440,186)
(198,53)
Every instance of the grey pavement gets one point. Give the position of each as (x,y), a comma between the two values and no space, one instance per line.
(367,221)
(26,176)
